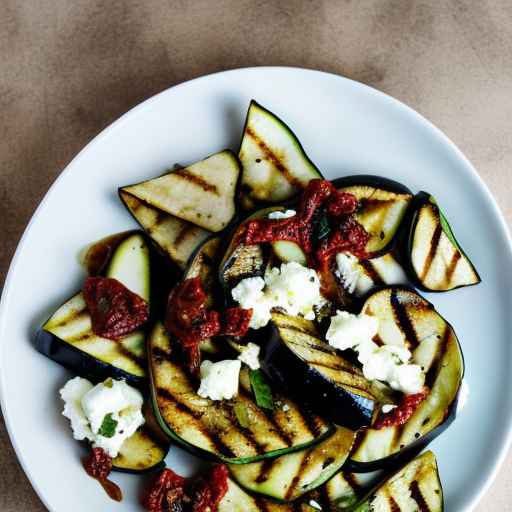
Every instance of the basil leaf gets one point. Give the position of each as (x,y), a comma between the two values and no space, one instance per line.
(261,389)
(108,426)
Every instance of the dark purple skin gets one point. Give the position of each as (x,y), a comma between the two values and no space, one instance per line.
(338,405)
(81,363)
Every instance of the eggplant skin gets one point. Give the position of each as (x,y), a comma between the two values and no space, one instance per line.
(337,404)
(81,363)
(371,180)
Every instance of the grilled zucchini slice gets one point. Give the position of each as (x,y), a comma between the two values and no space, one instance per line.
(140,453)
(275,165)
(415,487)
(202,193)
(211,428)
(68,339)
(437,261)
(174,237)
(383,206)
(298,359)
(406,317)
(290,476)
(377,272)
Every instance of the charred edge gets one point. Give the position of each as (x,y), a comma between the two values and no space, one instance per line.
(418,497)
(371,272)
(296,479)
(274,426)
(292,180)
(265,469)
(197,180)
(434,242)
(403,320)
(431,375)
(452,265)
(220,447)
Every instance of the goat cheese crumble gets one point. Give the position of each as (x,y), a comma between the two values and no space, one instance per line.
(387,363)
(219,381)
(282,215)
(348,270)
(293,288)
(250,356)
(106,414)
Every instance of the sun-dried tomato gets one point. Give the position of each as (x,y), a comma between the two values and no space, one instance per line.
(166,493)
(98,464)
(170,492)
(401,414)
(189,320)
(115,310)
(236,321)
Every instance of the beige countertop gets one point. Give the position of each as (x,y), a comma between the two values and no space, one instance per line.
(70,68)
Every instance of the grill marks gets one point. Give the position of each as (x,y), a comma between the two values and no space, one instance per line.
(298,476)
(196,180)
(417,496)
(393,505)
(274,159)
(434,243)
(431,375)
(403,321)
(166,396)
(452,265)
(371,272)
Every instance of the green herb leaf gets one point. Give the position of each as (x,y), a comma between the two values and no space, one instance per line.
(108,383)
(242,415)
(323,228)
(261,389)
(108,426)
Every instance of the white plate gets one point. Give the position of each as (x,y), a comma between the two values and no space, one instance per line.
(345,127)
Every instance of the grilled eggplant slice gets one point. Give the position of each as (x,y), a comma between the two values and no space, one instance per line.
(275,165)
(290,476)
(68,339)
(383,205)
(407,318)
(297,359)
(140,453)
(213,429)
(202,193)
(174,237)
(415,487)
(378,272)
(437,261)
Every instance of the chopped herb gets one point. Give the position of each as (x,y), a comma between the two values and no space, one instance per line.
(241,414)
(108,426)
(261,390)
(108,383)
(323,228)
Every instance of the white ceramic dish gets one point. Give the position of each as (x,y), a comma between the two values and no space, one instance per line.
(345,127)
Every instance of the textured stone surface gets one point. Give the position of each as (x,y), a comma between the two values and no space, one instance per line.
(69,68)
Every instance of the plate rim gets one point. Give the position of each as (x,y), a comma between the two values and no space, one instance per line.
(441,137)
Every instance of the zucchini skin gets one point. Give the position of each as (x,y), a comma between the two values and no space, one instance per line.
(421,199)
(338,405)
(82,363)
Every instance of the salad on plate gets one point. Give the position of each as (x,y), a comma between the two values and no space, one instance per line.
(268,321)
